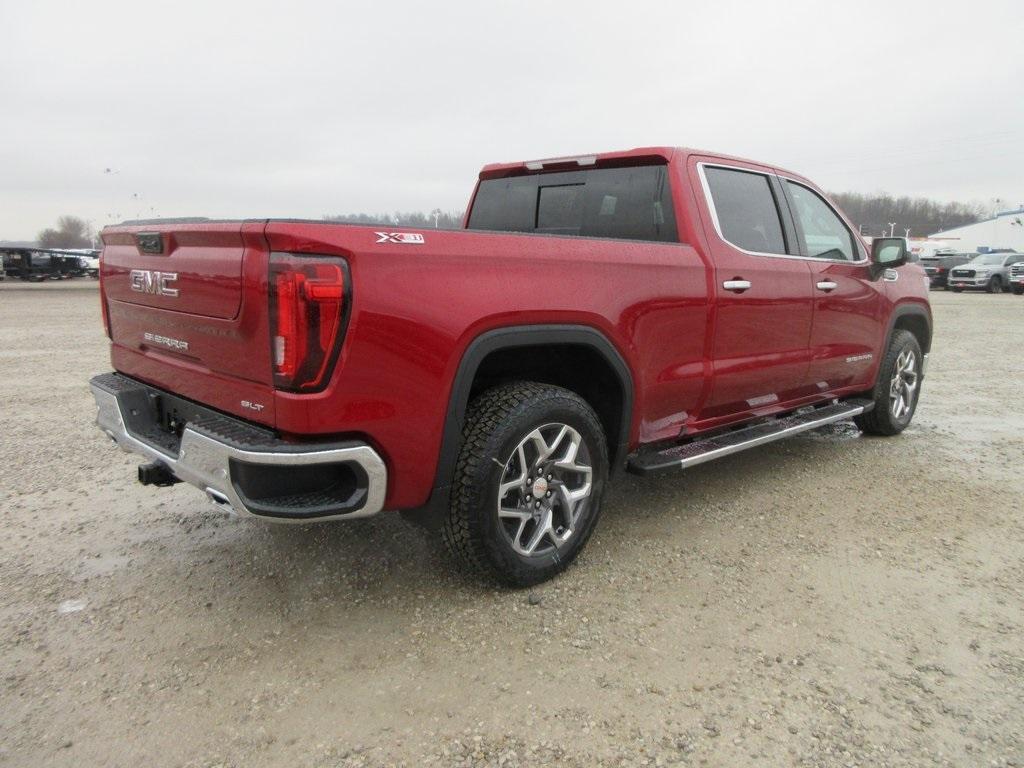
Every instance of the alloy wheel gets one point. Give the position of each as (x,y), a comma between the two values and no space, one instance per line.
(903,386)
(545,489)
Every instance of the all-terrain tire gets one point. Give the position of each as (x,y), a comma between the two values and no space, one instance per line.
(497,422)
(885,418)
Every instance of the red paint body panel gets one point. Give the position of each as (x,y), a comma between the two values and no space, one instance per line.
(205,259)
(849,325)
(700,357)
(761,337)
(416,308)
(228,357)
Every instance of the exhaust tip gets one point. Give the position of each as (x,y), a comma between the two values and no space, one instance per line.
(217,497)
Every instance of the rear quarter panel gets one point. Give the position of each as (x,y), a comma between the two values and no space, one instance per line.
(417,307)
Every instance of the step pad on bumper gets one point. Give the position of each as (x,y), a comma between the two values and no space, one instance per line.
(711,448)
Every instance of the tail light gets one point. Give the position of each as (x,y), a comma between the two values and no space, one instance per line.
(308,308)
(104,306)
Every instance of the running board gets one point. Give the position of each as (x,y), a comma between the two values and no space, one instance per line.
(711,448)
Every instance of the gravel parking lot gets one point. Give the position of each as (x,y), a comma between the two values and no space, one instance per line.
(831,600)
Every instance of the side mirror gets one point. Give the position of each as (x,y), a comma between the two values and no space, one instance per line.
(887,252)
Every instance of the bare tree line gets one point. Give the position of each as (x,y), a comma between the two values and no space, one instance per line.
(70,232)
(436,219)
(874,213)
(871,213)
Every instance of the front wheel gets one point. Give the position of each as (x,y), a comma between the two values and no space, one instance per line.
(1018,290)
(995,285)
(897,389)
(528,483)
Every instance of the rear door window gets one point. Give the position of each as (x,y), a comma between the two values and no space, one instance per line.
(631,203)
(746,210)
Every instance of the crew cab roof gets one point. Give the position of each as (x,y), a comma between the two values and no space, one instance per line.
(635,156)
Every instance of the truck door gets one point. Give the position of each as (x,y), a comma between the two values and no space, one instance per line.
(763,302)
(850,305)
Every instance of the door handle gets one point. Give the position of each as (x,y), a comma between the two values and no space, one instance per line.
(827,285)
(737,286)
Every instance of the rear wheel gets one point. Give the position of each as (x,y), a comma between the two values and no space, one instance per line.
(897,388)
(528,483)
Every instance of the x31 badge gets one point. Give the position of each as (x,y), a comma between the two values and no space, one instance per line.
(409,238)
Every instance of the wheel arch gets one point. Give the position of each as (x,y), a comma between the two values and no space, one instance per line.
(487,357)
(914,318)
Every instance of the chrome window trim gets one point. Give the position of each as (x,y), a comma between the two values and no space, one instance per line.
(701,165)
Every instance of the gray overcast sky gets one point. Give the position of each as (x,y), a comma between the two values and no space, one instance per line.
(309,108)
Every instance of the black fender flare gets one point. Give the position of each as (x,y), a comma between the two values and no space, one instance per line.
(522,336)
(909,310)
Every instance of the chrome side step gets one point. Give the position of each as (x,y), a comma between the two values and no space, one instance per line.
(711,448)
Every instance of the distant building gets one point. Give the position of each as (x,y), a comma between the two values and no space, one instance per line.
(1002,231)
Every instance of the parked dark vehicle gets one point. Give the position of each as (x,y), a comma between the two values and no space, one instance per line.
(1017,278)
(937,267)
(29,264)
(36,265)
(990,271)
(67,266)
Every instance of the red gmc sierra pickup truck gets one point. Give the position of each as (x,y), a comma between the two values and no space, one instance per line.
(644,310)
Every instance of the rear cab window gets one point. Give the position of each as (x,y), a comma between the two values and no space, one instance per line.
(630,203)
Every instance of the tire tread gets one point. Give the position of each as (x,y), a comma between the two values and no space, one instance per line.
(878,421)
(461,529)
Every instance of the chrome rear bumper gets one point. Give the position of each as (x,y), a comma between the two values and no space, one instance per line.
(219,465)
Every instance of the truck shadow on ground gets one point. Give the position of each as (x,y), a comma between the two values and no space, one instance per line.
(385,556)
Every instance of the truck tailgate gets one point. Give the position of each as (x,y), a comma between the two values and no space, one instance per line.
(187,305)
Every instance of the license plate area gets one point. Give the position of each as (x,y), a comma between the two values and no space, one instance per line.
(159,418)
(148,418)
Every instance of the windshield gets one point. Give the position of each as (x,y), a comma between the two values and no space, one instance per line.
(991,259)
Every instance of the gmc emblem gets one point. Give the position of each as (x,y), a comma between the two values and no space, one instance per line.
(151,281)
